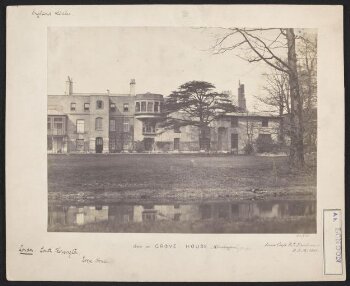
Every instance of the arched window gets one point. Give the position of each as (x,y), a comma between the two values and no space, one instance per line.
(98,123)
(99,104)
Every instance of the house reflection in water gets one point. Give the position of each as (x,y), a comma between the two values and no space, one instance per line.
(167,212)
(242,211)
(237,211)
(74,215)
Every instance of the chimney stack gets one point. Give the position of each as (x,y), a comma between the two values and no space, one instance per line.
(69,86)
(132,87)
(241,97)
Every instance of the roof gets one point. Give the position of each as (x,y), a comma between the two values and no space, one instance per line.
(252,114)
(150,96)
(92,94)
(55,112)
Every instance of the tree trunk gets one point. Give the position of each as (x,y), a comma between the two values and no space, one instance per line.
(296,116)
(281,131)
(203,140)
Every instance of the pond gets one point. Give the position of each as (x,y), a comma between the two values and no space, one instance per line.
(290,216)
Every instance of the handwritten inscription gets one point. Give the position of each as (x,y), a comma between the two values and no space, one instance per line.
(64,252)
(294,247)
(48,13)
(59,250)
(231,247)
(25,250)
(98,260)
(189,246)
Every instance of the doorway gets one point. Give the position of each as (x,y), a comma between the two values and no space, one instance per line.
(58,145)
(222,135)
(99,144)
(234,141)
(148,143)
(176,143)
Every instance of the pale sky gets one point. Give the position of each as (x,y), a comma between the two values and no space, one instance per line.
(160,59)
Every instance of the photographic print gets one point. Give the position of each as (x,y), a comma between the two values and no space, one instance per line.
(182,129)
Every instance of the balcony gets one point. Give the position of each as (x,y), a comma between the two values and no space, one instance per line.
(56,132)
(148,105)
(146,115)
(149,133)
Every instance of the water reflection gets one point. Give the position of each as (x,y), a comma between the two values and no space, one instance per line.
(124,214)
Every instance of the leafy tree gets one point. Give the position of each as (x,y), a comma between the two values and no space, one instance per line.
(196,103)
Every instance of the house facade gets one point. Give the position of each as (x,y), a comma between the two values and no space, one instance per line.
(112,123)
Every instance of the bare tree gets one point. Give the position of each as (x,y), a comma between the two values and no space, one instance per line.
(277,97)
(307,69)
(272,46)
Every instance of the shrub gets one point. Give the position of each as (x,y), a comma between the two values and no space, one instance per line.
(264,144)
(163,146)
(248,149)
(139,146)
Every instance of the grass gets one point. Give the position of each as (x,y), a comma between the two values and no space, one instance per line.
(143,176)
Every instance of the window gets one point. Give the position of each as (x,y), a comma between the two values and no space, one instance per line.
(99,141)
(156,106)
(80,144)
(98,123)
(49,124)
(57,123)
(137,107)
(126,107)
(86,106)
(143,106)
(177,217)
(126,126)
(177,129)
(99,104)
(148,128)
(150,106)
(112,144)
(112,125)
(265,122)
(49,143)
(112,107)
(234,122)
(80,126)
(72,106)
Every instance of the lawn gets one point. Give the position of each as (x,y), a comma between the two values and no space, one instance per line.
(135,177)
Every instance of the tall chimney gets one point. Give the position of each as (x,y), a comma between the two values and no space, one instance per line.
(132,87)
(69,86)
(241,97)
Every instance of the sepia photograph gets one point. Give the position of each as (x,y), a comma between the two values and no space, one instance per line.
(211,134)
(182,130)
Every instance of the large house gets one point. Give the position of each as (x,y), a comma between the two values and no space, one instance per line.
(110,123)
